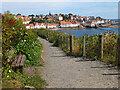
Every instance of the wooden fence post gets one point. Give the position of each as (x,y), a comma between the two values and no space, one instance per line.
(64,41)
(58,36)
(71,44)
(118,53)
(47,36)
(101,47)
(61,41)
(84,53)
(67,42)
(53,36)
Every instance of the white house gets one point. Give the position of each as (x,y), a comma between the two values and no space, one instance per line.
(26,21)
(37,26)
(100,21)
(59,17)
(69,24)
(19,16)
(87,24)
(53,25)
(42,25)
(90,23)
(27,26)
(32,26)
(81,18)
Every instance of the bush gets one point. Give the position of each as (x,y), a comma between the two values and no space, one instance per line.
(16,40)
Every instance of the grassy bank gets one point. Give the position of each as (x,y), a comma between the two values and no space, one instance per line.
(16,40)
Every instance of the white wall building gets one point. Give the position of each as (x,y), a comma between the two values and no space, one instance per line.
(42,25)
(59,17)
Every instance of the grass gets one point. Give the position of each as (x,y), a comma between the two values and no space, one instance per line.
(20,80)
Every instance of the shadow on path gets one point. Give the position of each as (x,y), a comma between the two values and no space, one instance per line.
(112,74)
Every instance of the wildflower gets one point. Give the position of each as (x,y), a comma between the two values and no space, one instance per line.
(8,76)
(25,32)
(24,40)
(9,70)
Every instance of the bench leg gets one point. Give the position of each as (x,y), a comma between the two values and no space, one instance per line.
(14,69)
(21,69)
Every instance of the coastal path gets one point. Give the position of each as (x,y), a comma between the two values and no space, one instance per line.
(61,71)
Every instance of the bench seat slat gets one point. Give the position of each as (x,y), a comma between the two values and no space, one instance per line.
(22,60)
(18,61)
(14,62)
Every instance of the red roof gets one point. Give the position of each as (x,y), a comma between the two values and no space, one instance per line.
(27,16)
(51,24)
(32,25)
(19,16)
(69,22)
(59,15)
(41,23)
(25,20)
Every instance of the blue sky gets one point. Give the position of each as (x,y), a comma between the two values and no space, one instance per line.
(103,9)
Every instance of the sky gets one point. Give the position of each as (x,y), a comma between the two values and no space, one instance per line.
(60,0)
(107,9)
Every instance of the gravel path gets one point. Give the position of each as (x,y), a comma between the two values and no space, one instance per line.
(63,71)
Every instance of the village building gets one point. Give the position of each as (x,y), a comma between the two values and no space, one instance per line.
(39,25)
(89,24)
(32,26)
(51,25)
(69,24)
(42,25)
(59,17)
(27,26)
(26,21)
(19,16)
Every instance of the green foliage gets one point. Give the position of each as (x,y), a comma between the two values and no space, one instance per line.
(16,40)
(110,48)
(22,41)
(56,42)
(33,20)
(41,21)
(19,80)
(35,81)
(92,46)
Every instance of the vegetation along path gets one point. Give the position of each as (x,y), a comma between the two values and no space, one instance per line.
(63,71)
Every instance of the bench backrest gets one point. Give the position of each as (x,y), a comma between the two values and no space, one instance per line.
(18,61)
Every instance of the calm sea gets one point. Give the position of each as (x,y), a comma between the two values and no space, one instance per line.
(91,31)
(116,19)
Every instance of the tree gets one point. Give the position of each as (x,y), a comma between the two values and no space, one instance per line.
(18,14)
(7,12)
(70,14)
(33,20)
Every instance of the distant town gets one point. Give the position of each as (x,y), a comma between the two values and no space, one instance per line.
(51,21)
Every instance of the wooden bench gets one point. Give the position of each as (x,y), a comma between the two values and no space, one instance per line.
(18,63)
